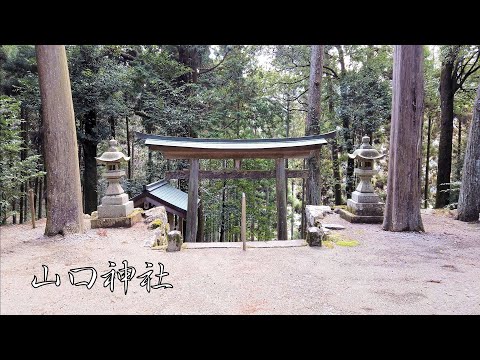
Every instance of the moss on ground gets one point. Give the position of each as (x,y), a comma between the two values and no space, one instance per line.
(335,238)
(135,212)
(156,223)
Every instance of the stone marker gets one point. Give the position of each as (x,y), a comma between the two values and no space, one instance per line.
(116,210)
(315,236)
(365,205)
(175,241)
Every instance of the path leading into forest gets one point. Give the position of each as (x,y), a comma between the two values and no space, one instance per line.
(437,272)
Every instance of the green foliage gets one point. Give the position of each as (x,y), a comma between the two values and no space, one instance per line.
(231,91)
(13,171)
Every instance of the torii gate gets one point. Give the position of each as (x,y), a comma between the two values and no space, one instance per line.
(198,148)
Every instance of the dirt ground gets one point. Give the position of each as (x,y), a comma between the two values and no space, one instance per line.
(436,272)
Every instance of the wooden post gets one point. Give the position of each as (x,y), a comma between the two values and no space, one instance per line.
(201,223)
(31,198)
(281,200)
(243,229)
(171,221)
(192,210)
(40,197)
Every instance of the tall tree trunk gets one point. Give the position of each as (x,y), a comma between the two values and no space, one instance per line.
(14,217)
(111,121)
(402,210)
(40,197)
(35,192)
(20,203)
(446,133)
(336,173)
(25,203)
(64,211)
(313,124)
(90,168)
(469,199)
(252,229)
(427,162)
(129,171)
(459,150)
(347,135)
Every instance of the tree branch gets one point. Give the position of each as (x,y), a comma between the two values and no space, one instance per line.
(204,71)
(473,68)
(334,74)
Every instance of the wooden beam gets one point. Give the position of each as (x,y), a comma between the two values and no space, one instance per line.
(234,174)
(281,200)
(184,153)
(192,209)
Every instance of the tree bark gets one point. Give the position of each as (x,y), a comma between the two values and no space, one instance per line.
(427,161)
(90,163)
(469,199)
(312,127)
(459,150)
(335,162)
(347,136)
(64,211)
(40,197)
(446,133)
(402,210)
(129,171)
(14,217)
(20,203)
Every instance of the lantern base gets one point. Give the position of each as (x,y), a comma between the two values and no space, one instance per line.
(115,211)
(347,215)
(365,197)
(127,221)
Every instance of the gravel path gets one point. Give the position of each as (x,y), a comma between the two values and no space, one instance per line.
(437,272)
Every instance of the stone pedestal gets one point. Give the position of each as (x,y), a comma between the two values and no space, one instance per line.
(124,221)
(114,211)
(363,208)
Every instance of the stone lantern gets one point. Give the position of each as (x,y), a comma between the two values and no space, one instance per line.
(116,209)
(365,205)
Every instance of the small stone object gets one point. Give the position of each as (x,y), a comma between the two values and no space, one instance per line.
(315,236)
(155,213)
(175,241)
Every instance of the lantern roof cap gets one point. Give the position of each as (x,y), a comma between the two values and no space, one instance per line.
(366,151)
(112,154)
